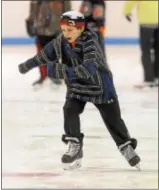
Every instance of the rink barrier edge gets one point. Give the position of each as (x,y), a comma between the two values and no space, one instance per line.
(31,41)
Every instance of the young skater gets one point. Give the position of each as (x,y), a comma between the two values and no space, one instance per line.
(76,56)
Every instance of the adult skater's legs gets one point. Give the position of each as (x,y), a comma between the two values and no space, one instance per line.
(112,118)
(156,52)
(73,136)
(41,42)
(42,69)
(146,35)
(102,43)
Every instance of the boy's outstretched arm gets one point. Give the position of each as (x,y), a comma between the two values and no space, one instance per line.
(47,54)
(62,71)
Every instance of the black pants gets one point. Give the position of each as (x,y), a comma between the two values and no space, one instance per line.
(155,48)
(110,114)
(149,43)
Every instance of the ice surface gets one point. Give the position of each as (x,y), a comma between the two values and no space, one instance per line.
(33,123)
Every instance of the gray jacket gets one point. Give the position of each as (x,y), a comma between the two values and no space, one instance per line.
(46,15)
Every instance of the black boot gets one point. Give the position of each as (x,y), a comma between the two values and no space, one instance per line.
(127,150)
(72,158)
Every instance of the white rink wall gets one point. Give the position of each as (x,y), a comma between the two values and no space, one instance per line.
(14,14)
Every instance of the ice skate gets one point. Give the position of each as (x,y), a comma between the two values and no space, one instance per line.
(138,167)
(147,85)
(72,158)
(130,155)
(73,165)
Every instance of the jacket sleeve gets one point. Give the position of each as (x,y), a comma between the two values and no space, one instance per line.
(60,71)
(46,55)
(90,62)
(83,71)
(128,6)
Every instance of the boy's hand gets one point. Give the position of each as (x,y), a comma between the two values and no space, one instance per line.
(23,68)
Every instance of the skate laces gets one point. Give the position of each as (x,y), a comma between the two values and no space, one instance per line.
(128,152)
(73,149)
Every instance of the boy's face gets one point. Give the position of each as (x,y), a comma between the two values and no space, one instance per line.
(71,33)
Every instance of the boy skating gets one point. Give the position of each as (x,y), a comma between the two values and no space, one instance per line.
(76,56)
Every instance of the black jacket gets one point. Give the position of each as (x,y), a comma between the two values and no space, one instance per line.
(95,13)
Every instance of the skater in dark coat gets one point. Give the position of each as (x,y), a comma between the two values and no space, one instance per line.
(95,17)
(75,56)
(45,16)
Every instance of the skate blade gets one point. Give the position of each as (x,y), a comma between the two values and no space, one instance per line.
(138,167)
(71,166)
